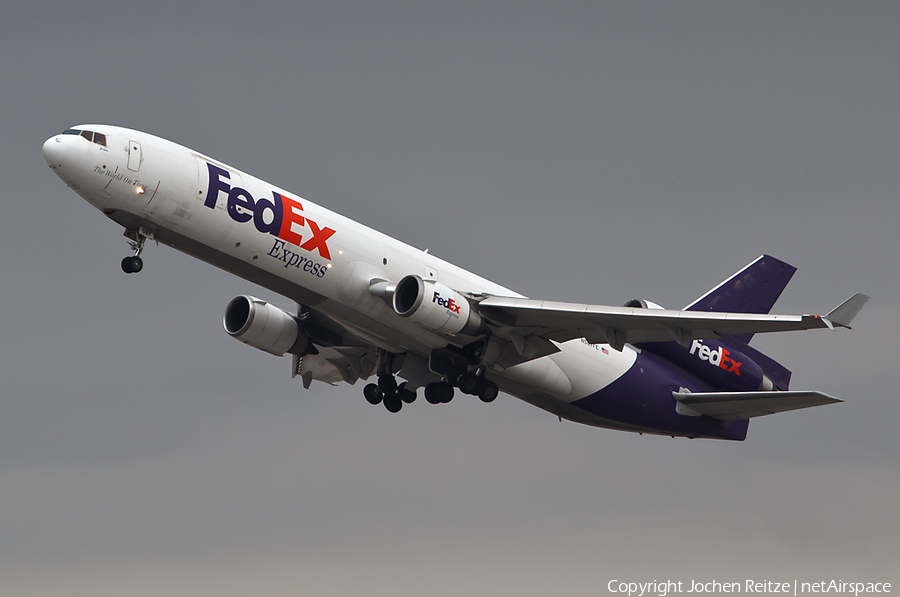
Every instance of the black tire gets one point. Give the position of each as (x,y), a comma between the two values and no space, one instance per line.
(468,383)
(488,391)
(445,391)
(126,266)
(433,393)
(137,264)
(387,384)
(393,403)
(407,396)
(373,394)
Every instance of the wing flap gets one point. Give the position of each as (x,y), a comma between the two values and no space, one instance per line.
(335,364)
(733,406)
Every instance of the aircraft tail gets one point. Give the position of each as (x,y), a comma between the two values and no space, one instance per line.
(754,289)
(775,371)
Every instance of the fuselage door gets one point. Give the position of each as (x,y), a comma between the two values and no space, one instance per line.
(134,156)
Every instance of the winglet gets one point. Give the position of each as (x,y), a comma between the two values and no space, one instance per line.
(844,313)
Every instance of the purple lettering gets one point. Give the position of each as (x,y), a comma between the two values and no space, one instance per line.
(273,226)
(240,198)
(215,185)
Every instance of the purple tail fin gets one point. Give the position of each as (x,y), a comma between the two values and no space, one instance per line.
(754,289)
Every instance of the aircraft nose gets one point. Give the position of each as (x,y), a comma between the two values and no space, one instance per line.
(54,151)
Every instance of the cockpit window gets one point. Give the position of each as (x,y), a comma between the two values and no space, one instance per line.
(98,138)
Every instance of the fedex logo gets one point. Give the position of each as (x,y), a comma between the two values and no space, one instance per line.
(448,304)
(282,217)
(718,358)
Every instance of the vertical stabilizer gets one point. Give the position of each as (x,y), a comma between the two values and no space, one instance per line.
(754,289)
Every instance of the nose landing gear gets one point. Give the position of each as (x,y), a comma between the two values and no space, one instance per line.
(134,264)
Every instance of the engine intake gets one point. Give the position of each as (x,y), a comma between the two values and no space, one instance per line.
(435,306)
(264,326)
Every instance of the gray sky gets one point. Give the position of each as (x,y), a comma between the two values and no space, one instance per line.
(590,152)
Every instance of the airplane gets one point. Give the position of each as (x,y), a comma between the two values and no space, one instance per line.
(369,305)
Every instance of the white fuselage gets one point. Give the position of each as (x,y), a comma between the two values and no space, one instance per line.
(320,259)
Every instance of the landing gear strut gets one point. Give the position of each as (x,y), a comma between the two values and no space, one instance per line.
(134,264)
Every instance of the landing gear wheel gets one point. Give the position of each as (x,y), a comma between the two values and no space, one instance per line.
(387,384)
(468,383)
(373,394)
(432,393)
(439,392)
(407,396)
(488,391)
(393,403)
(132,265)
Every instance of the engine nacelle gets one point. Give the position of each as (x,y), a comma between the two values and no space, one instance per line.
(435,306)
(264,326)
(642,304)
(725,368)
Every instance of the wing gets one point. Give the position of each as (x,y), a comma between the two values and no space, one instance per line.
(732,406)
(615,326)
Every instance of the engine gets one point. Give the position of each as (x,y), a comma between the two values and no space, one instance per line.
(642,304)
(435,306)
(264,326)
(717,362)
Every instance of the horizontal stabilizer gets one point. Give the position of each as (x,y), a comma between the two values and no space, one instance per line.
(733,406)
(844,313)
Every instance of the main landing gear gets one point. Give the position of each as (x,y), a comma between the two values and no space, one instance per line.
(439,392)
(387,391)
(474,383)
(134,264)
(393,396)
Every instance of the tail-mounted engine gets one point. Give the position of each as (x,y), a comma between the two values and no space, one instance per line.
(642,304)
(435,306)
(265,326)
(717,362)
